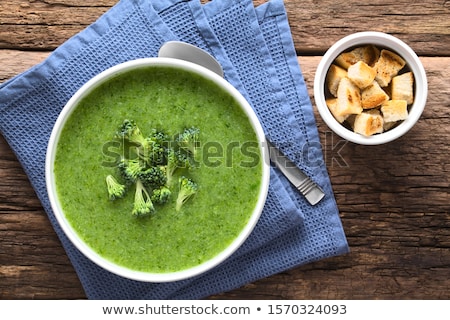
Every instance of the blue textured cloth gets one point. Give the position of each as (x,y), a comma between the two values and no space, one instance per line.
(255,49)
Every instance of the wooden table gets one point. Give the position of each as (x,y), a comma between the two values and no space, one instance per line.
(393,199)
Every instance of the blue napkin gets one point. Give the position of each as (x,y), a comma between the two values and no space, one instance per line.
(255,48)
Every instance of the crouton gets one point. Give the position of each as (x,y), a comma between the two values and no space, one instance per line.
(348,98)
(402,87)
(368,123)
(388,66)
(394,110)
(361,74)
(369,54)
(334,76)
(373,96)
(332,105)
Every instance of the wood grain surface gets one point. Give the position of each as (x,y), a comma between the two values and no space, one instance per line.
(393,199)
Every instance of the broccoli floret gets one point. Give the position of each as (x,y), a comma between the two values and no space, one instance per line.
(143,205)
(172,165)
(176,159)
(184,161)
(161,195)
(129,131)
(189,139)
(173,162)
(187,188)
(153,177)
(150,149)
(159,137)
(158,145)
(130,169)
(116,190)
(154,153)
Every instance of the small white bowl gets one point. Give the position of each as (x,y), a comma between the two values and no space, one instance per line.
(380,40)
(71,232)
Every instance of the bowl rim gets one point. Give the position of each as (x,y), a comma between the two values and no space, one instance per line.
(70,231)
(384,40)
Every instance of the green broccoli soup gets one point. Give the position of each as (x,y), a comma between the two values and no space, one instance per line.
(180,228)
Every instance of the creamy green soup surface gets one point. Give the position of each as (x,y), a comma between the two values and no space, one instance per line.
(228,175)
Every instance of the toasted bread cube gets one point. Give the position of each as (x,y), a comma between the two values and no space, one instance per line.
(402,87)
(348,98)
(368,123)
(388,66)
(373,96)
(394,110)
(369,54)
(334,76)
(332,105)
(361,74)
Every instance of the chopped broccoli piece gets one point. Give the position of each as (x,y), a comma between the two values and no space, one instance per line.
(159,137)
(185,161)
(154,153)
(189,139)
(175,160)
(143,205)
(187,188)
(172,163)
(116,190)
(150,149)
(161,195)
(153,177)
(130,169)
(129,131)
(158,143)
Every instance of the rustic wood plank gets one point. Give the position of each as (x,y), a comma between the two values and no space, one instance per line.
(425,26)
(45,24)
(14,62)
(393,199)
(315,25)
(33,264)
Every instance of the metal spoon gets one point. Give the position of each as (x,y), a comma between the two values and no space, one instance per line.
(188,52)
